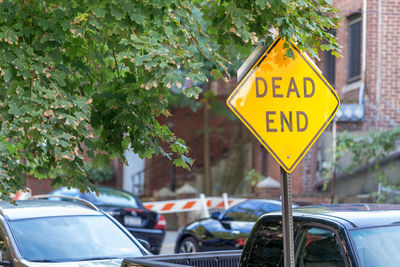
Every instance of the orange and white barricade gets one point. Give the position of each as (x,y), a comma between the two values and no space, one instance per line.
(22,195)
(193,204)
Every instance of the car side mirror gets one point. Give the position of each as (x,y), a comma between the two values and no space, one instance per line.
(144,243)
(215,215)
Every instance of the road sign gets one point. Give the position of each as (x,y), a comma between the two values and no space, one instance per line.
(286,103)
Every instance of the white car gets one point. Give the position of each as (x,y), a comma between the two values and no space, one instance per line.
(62,233)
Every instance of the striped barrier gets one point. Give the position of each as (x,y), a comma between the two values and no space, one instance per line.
(191,204)
(21,195)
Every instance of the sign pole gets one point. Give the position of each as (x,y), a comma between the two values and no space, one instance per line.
(286,103)
(287,219)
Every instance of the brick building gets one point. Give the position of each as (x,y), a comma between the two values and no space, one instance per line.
(366,81)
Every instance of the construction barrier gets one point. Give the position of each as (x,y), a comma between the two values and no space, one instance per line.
(192,204)
(22,195)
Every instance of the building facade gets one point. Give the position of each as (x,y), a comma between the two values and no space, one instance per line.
(366,79)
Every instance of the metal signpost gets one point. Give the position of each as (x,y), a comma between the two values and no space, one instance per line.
(286,103)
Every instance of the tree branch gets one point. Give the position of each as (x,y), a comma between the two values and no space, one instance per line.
(31,85)
(201,51)
(116,64)
(58,92)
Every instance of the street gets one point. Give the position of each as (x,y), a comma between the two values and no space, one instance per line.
(168,245)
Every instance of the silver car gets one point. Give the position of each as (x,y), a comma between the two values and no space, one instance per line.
(62,233)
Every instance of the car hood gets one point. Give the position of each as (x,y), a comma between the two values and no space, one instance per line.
(98,263)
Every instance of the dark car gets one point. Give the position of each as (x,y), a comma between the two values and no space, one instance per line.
(127,210)
(329,235)
(224,231)
(59,233)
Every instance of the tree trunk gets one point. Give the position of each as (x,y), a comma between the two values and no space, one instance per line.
(207,185)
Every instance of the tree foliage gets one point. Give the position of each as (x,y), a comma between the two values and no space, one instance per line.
(92,76)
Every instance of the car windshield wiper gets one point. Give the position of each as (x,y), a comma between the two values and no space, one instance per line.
(83,259)
(45,260)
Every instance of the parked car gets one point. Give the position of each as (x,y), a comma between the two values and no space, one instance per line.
(128,210)
(54,233)
(358,235)
(224,231)
(329,235)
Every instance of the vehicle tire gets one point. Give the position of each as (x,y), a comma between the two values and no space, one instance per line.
(189,245)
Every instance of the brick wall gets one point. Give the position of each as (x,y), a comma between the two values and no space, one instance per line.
(346,7)
(38,186)
(388,102)
(188,125)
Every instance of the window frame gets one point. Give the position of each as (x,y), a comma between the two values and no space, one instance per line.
(308,226)
(278,223)
(9,241)
(330,64)
(353,19)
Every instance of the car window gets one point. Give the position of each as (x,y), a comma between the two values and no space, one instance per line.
(250,211)
(263,208)
(111,197)
(267,247)
(106,197)
(71,238)
(66,192)
(244,211)
(318,247)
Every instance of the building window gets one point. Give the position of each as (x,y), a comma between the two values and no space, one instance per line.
(329,65)
(354,48)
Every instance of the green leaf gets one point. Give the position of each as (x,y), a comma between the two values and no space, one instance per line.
(101,161)
(7,76)
(117,12)
(289,53)
(99,12)
(262,4)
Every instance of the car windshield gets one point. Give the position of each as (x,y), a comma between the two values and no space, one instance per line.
(377,246)
(71,238)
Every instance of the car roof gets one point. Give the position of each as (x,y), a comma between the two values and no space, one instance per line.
(100,188)
(352,216)
(261,200)
(44,208)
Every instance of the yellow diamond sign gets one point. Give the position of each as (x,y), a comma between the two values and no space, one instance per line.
(285,102)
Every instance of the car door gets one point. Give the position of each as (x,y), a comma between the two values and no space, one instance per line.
(232,228)
(319,246)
